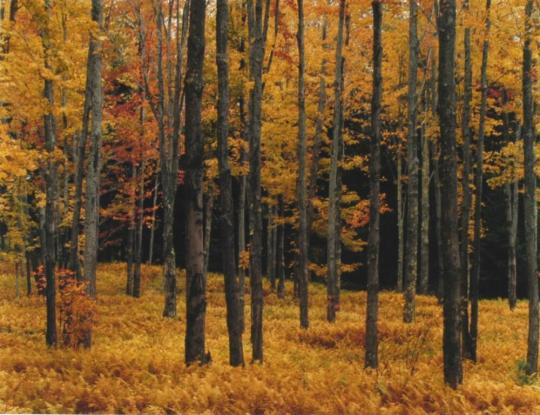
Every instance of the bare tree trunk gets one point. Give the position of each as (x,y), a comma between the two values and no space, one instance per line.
(453,374)
(400,212)
(333,200)
(531,224)
(234,312)
(424,219)
(208,219)
(131,230)
(50,189)
(479,183)
(195,277)
(137,257)
(301,190)
(411,254)
(280,253)
(466,205)
(257,35)
(153,228)
(271,247)
(94,165)
(372,343)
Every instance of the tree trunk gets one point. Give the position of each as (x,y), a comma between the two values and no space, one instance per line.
(94,165)
(50,190)
(271,247)
(424,219)
(411,254)
(234,312)
(280,253)
(400,219)
(195,277)
(153,228)
(530,194)
(453,374)
(466,205)
(479,183)
(131,229)
(333,201)
(208,219)
(137,257)
(301,190)
(371,355)
(256,57)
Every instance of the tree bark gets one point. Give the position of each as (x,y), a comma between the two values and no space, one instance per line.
(479,183)
(400,219)
(280,253)
(139,219)
(453,374)
(333,238)
(153,228)
(411,254)
(301,190)
(424,218)
(94,165)
(531,226)
(466,205)
(234,320)
(257,35)
(371,354)
(512,216)
(195,277)
(50,188)
(208,220)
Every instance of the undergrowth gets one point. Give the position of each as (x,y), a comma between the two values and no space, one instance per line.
(136,363)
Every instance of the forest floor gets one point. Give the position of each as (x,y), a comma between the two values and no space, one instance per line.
(136,362)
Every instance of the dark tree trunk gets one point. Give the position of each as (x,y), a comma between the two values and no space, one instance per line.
(131,231)
(453,374)
(371,355)
(234,321)
(333,235)
(195,278)
(208,220)
(531,214)
(466,205)
(153,229)
(139,219)
(479,184)
(50,190)
(280,253)
(303,240)
(411,254)
(400,219)
(424,216)
(257,35)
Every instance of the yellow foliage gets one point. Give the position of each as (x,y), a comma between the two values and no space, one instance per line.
(136,363)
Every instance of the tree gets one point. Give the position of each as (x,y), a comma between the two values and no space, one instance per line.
(530,213)
(303,240)
(334,237)
(234,320)
(94,165)
(195,277)
(257,27)
(50,185)
(371,357)
(479,183)
(411,255)
(453,375)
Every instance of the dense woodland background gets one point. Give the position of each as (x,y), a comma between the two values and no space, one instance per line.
(298,149)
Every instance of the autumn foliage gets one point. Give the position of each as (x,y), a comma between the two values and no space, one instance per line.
(136,362)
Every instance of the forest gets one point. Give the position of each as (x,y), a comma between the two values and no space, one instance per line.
(269,206)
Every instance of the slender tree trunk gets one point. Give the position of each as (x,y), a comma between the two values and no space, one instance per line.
(131,230)
(333,201)
(208,219)
(137,257)
(28,275)
(195,277)
(371,355)
(453,374)
(94,165)
(479,183)
(400,212)
(256,57)
(242,223)
(234,321)
(411,254)
(424,219)
(531,226)
(280,253)
(50,189)
(466,205)
(153,228)
(271,247)
(301,190)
